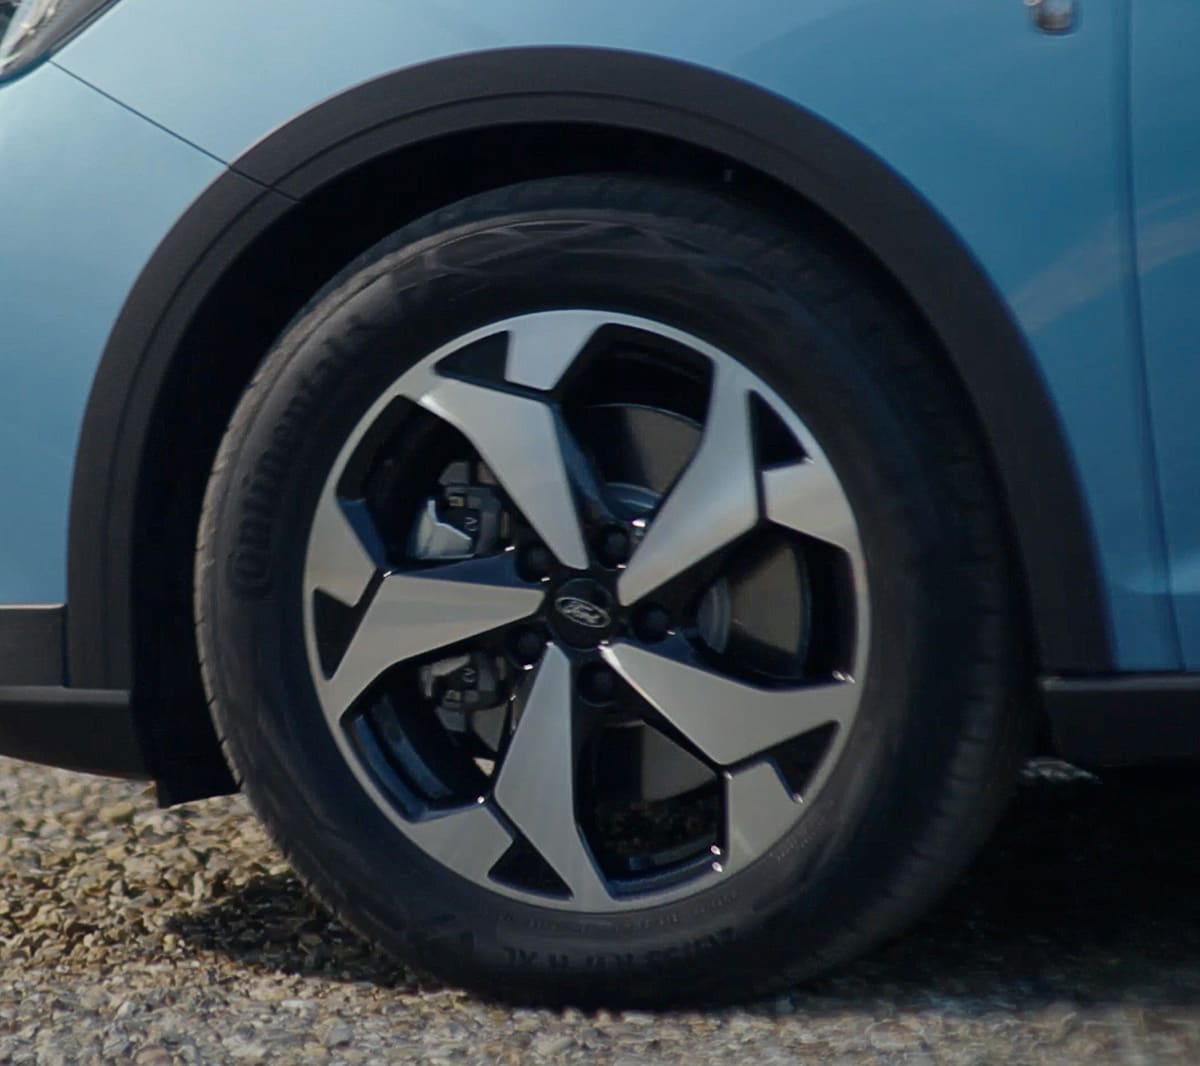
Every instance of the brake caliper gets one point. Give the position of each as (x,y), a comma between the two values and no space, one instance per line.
(466,519)
(472,682)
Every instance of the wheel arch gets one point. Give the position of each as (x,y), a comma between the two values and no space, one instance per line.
(283,219)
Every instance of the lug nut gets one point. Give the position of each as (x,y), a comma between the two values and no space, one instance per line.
(614,546)
(536,562)
(527,646)
(598,684)
(653,623)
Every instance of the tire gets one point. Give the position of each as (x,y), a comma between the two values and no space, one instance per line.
(900,797)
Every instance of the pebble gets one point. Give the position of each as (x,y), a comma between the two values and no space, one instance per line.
(339,1035)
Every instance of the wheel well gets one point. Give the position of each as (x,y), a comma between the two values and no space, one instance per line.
(251,305)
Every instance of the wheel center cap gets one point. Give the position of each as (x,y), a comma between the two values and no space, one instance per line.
(582,612)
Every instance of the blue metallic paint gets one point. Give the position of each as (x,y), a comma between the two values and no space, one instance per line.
(1166,169)
(88,190)
(1018,139)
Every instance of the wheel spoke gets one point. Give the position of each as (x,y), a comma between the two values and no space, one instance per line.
(729,720)
(714,501)
(416,613)
(760,808)
(343,549)
(542,346)
(535,786)
(519,439)
(469,840)
(807,497)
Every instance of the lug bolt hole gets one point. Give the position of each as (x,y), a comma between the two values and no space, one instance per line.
(614,546)
(536,562)
(527,646)
(598,684)
(653,623)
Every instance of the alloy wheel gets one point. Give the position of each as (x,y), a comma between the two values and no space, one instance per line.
(586,611)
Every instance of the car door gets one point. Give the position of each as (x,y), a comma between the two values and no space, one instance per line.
(1165,142)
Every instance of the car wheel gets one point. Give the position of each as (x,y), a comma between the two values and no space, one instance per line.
(602,596)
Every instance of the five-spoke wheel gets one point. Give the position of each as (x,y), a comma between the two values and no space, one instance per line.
(564,577)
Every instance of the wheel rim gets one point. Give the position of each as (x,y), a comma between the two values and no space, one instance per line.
(505,594)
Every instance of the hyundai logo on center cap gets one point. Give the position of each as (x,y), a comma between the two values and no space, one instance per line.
(582,613)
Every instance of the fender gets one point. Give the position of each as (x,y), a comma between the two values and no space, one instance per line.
(750,126)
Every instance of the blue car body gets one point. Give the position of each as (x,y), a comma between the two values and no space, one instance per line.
(1035,193)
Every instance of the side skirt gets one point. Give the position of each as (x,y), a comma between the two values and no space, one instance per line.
(77,729)
(44,720)
(1127,720)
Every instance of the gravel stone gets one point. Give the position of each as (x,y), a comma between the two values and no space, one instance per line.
(339,1035)
(133,935)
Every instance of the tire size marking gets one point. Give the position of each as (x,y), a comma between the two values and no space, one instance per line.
(618,961)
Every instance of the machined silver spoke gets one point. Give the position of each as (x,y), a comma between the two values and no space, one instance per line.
(808,498)
(414,614)
(470,840)
(729,720)
(343,552)
(518,438)
(541,346)
(759,809)
(535,786)
(714,501)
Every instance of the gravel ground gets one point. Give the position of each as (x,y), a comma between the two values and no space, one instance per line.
(129,934)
